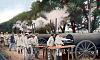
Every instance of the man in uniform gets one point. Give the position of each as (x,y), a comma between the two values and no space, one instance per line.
(1,40)
(34,44)
(25,45)
(19,43)
(58,42)
(50,42)
(6,38)
(12,42)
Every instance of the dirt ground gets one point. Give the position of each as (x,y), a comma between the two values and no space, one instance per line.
(15,56)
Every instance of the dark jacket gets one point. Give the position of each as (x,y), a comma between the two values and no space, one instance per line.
(12,39)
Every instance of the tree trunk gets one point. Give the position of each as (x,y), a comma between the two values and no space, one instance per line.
(63,28)
(85,12)
(73,26)
(93,27)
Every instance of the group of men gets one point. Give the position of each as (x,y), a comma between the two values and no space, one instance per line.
(55,40)
(26,43)
(23,43)
(3,39)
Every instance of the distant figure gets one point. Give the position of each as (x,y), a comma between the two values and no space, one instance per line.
(69,36)
(35,43)
(1,42)
(50,42)
(1,34)
(12,43)
(25,45)
(25,40)
(30,49)
(58,40)
(6,38)
(71,41)
(19,43)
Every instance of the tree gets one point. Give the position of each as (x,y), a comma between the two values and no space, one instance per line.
(49,5)
(50,28)
(78,10)
(95,22)
(75,15)
(63,24)
(98,4)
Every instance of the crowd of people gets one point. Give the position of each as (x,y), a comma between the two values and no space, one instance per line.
(21,43)
(25,43)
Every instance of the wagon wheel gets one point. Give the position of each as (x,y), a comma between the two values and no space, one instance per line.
(85,50)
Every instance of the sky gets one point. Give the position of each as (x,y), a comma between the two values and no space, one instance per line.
(11,8)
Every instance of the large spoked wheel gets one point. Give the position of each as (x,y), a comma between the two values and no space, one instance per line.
(85,50)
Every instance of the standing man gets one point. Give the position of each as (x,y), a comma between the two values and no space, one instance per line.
(19,43)
(6,38)
(58,42)
(30,48)
(34,44)
(1,40)
(50,42)
(25,45)
(12,43)
(25,40)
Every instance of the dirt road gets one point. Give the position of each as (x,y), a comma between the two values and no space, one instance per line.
(15,56)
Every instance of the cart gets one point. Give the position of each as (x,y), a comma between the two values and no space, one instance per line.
(86,45)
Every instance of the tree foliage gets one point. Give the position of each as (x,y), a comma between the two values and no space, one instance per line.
(76,9)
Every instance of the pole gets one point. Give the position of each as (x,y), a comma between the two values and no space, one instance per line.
(34,27)
(50,26)
(89,22)
(55,25)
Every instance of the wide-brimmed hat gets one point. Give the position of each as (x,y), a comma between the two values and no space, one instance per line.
(33,35)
